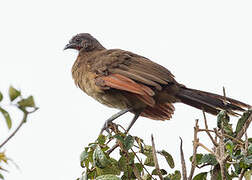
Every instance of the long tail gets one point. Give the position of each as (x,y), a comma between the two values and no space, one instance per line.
(209,102)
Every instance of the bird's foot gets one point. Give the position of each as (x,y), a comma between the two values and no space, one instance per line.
(111,119)
(106,126)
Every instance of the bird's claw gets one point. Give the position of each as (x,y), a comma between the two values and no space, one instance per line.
(106,127)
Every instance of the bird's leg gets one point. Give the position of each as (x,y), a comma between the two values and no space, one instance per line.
(137,114)
(112,118)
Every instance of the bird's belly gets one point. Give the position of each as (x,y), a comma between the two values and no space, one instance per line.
(112,100)
(109,97)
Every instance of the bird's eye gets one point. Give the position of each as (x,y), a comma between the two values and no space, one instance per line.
(78,40)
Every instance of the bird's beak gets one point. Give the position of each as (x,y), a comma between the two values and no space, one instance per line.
(70,46)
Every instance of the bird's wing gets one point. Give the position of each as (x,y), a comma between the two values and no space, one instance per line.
(130,72)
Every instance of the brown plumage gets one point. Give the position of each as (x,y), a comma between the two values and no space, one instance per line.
(124,80)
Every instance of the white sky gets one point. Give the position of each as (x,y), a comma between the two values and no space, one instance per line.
(206,44)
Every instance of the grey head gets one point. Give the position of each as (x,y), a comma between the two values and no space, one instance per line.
(84,42)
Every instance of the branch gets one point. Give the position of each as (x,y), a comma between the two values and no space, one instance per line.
(16,130)
(206,126)
(204,147)
(195,146)
(141,163)
(155,158)
(221,157)
(182,160)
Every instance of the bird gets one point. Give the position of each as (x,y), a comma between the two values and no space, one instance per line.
(133,83)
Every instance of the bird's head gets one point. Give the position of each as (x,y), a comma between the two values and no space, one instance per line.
(83,42)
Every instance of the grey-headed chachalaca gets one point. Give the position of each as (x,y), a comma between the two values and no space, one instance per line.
(132,83)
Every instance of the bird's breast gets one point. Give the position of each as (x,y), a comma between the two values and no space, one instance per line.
(86,81)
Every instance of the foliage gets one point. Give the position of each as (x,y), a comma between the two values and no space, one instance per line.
(26,105)
(136,160)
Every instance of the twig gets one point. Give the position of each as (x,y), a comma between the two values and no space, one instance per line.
(141,163)
(195,146)
(16,130)
(242,174)
(112,149)
(135,171)
(209,130)
(206,148)
(155,158)
(234,139)
(225,97)
(206,126)
(221,158)
(246,144)
(182,160)
(228,136)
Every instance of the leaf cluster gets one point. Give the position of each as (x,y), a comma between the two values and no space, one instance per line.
(136,160)
(26,105)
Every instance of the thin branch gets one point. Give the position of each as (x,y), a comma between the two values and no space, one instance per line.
(234,139)
(242,174)
(141,163)
(206,126)
(206,148)
(202,166)
(155,158)
(221,158)
(16,130)
(224,94)
(205,130)
(195,146)
(135,171)
(182,160)
(113,148)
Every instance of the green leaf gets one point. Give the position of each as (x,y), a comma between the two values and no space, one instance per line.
(248,175)
(101,139)
(139,142)
(92,174)
(168,158)
(1,96)
(108,177)
(230,146)
(111,168)
(248,160)
(198,159)
(123,163)
(1,176)
(149,161)
(209,159)
(242,120)
(155,172)
(131,157)
(222,117)
(99,158)
(250,149)
(13,93)
(120,138)
(175,176)
(28,102)
(7,117)
(83,158)
(128,142)
(200,176)
(139,167)
(147,150)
